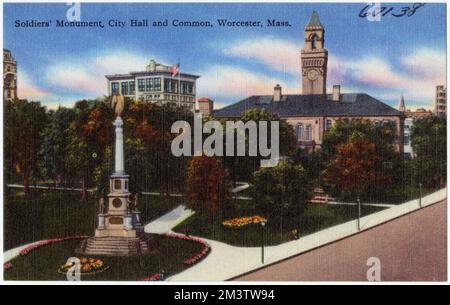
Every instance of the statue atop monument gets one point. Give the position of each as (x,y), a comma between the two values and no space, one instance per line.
(118,104)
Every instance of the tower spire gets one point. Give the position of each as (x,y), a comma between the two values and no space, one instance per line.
(401,104)
(314,21)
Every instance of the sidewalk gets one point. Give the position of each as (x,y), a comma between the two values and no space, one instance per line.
(225,261)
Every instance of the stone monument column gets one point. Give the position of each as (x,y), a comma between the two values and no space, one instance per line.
(119,168)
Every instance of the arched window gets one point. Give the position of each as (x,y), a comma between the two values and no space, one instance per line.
(308,133)
(298,132)
(314,39)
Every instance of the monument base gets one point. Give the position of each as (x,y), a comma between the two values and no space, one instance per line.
(140,244)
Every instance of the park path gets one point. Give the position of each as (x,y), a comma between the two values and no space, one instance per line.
(167,222)
(226,262)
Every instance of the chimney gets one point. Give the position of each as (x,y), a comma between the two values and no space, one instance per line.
(336,96)
(277,93)
(205,106)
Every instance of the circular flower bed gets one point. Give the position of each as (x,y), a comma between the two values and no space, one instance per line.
(154,277)
(243,221)
(86,266)
(196,258)
(47,242)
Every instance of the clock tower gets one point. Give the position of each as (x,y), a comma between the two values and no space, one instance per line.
(314,58)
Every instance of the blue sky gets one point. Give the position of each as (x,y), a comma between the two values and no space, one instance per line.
(383,58)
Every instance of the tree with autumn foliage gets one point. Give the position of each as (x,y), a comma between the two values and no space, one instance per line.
(24,123)
(208,186)
(389,164)
(353,170)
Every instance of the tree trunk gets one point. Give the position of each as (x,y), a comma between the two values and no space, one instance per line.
(26,183)
(83,190)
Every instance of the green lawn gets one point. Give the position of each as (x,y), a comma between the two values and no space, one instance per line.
(49,213)
(316,218)
(43,263)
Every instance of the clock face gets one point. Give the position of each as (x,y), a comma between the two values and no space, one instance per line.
(313,74)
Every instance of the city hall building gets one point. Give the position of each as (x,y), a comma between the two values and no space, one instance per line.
(158,84)
(314,111)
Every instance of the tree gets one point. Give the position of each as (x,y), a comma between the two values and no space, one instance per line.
(89,135)
(243,167)
(55,143)
(24,123)
(389,163)
(429,143)
(282,189)
(208,186)
(353,170)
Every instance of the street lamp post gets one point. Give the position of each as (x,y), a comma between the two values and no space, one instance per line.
(420,195)
(263,224)
(359,213)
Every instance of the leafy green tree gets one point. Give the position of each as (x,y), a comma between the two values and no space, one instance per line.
(24,123)
(429,143)
(282,189)
(243,167)
(55,144)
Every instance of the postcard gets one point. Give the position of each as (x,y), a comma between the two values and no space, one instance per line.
(209,142)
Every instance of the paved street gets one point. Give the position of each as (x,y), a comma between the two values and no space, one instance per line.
(410,248)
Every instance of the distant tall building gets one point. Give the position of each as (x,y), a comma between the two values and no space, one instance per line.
(158,83)
(9,76)
(440,102)
(407,147)
(401,104)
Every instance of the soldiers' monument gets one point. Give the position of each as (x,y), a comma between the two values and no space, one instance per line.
(119,230)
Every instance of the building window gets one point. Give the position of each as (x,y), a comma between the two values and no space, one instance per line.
(157,84)
(132,88)
(141,85)
(298,132)
(149,84)
(314,41)
(114,88)
(406,139)
(308,133)
(125,88)
(328,124)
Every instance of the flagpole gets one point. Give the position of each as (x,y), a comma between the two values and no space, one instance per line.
(179,83)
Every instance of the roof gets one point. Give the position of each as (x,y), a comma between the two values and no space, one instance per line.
(351,104)
(149,73)
(314,20)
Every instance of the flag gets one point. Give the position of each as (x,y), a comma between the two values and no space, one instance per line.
(175,69)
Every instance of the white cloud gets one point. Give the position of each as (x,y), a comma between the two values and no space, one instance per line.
(235,82)
(27,88)
(278,54)
(414,78)
(87,75)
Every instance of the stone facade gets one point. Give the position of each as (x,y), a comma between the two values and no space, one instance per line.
(9,76)
(309,131)
(157,84)
(314,58)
